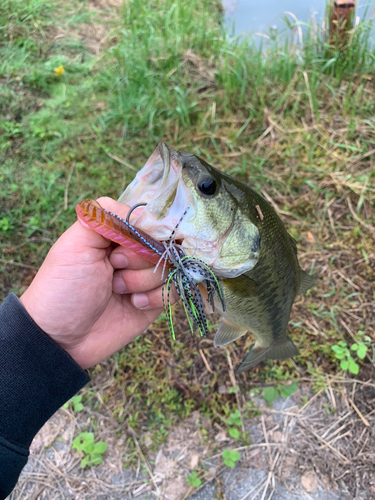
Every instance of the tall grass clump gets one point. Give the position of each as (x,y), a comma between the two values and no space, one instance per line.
(175,62)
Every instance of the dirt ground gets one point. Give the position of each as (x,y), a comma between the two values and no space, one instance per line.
(322,449)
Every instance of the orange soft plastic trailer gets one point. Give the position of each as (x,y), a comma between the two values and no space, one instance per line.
(93,216)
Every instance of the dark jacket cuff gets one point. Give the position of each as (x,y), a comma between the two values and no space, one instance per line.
(37,376)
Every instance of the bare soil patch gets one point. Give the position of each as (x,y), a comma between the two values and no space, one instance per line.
(321,449)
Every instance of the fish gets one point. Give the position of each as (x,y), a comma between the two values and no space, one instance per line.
(234,231)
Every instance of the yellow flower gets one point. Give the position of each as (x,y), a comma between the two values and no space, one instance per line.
(59,71)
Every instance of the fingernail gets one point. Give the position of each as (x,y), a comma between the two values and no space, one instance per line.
(118,284)
(119,261)
(140,300)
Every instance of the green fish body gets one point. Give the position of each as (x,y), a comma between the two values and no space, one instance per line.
(231,228)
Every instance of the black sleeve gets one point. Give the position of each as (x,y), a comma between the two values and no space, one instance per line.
(36,377)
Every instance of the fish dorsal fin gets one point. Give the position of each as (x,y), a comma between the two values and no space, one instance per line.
(306,282)
(227,332)
(282,349)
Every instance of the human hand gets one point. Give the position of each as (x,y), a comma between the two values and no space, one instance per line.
(93,299)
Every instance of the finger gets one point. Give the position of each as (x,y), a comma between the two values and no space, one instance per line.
(114,206)
(134,281)
(118,208)
(123,258)
(153,299)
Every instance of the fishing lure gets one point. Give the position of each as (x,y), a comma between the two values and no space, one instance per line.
(187,271)
(92,215)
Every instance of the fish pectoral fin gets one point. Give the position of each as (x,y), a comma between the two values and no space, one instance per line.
(242,286)
(307,282)
(284,348)
(227,332)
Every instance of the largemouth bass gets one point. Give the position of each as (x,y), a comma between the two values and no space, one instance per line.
(234,231)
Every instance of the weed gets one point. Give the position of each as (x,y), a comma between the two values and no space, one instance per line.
(344,355)
(75,402)
(5,224)
(93,452)
(230,457)
(271,393)
(234,420)
(193,479)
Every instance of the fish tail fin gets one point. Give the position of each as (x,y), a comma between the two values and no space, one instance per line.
(284,348)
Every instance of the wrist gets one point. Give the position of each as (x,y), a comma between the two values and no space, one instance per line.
(42,324)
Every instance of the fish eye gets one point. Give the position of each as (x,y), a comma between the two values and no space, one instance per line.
(207,186)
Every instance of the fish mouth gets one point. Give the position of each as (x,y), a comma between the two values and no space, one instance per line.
(170,210)
(159,186)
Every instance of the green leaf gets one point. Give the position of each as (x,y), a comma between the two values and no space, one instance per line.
(270,394)
(78,407)
(194,480)
(354,347)
(362,350)
(340,355)
(344,365)
(353,367)
(236,455)
(342,343)
(100,447)
(288,390)
(4,224)
(229,462)
(89,448)
(336,348)
(84,461)
(234,433)
(83,440)
(234,418)
(96,459)
(230,457)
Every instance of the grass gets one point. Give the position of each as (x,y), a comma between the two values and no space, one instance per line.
(294,120)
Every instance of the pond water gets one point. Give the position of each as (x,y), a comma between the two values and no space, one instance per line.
(265,16)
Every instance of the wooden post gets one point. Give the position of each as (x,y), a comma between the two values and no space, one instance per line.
(341,20)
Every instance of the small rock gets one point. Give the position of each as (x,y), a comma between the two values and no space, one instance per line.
(206,423)
(277,436)
(176,488)
(309,481)
(221,436)
(147,439)
(164,466)
(194,459)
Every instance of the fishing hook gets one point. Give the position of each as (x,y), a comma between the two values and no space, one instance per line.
(133,208)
